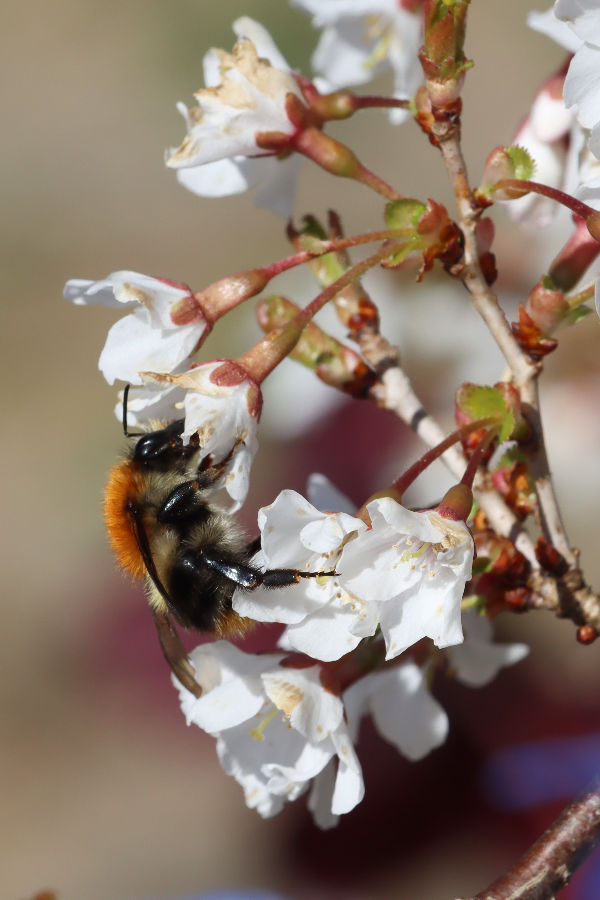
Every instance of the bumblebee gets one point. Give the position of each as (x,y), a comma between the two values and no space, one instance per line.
(163,528)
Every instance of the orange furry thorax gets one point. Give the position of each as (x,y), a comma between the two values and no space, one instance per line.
(124,484)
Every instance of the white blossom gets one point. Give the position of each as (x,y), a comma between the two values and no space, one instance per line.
(323,620)
(417,565)
(405,574)
(361,38)
(246,94)
(278,730)
(149,337)
(478,659)
(582,83)
(224,413)
(543,134)
(403,710)
(547,23)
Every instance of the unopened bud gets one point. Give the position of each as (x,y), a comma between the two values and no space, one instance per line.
(223,295)
(335,364)
(505,163)
(547,306)
(328,153)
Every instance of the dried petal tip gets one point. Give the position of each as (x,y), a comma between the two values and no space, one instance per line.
(457,503)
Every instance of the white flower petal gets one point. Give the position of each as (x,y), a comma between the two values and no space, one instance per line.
(231,683)
(403,710)
(478,660)
(547,23)
(325,634)
(151,403)
(407,715)
(582,85)
(324,495)
(319,801)
(222,178)
(349,787)
(133,345)
(583,17)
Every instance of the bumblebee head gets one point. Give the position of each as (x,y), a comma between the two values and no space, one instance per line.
(162,448)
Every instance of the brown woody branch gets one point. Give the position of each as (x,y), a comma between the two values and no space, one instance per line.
(549,864)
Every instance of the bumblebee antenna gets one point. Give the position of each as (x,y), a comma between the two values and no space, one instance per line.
(128,434)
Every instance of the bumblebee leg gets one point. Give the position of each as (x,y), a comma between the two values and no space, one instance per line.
(209,471)
(184,502)
(246,576)
(253,546)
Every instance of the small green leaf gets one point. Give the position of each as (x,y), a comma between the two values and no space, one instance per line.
(575,315)
(523,163)
(404,214)
(507,427)
(478,401)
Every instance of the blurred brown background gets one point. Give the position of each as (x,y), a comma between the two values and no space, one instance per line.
(104,793)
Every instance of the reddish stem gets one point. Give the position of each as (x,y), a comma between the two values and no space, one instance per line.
(476,457)
(401,484)
(331,246)
(576,206)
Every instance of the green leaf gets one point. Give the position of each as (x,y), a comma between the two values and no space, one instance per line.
(404,214)
(575,315)
(507,427)
(523,163)
(478,401)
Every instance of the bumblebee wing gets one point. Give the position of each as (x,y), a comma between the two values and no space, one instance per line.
(141,538)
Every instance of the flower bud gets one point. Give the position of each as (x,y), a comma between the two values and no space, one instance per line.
(335,364)
(505,163)
(328,153)
(546,307)
(223,295)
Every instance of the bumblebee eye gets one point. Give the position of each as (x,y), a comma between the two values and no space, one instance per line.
(163,446)
(152,445)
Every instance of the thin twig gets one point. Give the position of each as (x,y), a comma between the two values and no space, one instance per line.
(551,521)
(483,298)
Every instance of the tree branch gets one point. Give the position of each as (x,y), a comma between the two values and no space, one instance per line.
(550,863)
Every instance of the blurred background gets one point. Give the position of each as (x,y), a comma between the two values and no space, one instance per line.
(104,792)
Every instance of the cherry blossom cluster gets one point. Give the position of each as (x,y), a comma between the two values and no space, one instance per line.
(387,608)
(285,725)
